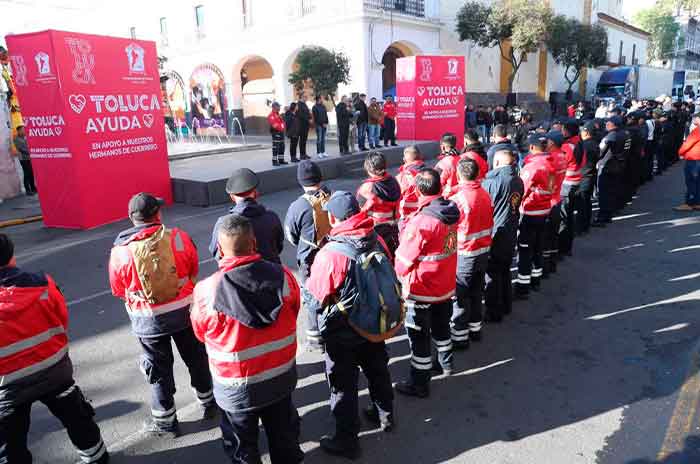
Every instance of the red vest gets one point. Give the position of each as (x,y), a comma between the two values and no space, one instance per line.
(559,160)
(574,174)
(538,176)
(381,211)
(475,220)
(447,166)
(407,180)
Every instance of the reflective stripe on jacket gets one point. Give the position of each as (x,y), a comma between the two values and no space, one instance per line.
(407,180)
(475,226)
(538,176)
(447,167)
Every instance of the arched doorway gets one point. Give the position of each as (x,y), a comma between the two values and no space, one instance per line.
(177,99)
(393,52)
(254,81)
(208,100)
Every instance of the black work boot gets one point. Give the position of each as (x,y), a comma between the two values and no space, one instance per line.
(521,291)
(210,411)
(157,429)
(337,447)
(411,389)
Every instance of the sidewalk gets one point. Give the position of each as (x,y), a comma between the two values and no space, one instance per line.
(19,208)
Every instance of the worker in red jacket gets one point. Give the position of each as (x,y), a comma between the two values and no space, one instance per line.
(277,130)
(389,110)
(412,164)
(246,315)
(153,269)
(35,366)
(473,245)
(538,175)
(690,152)
(345,350)
(379,197)
(426,264)
(447,164)
(576,160)
(474,150)
(559,159)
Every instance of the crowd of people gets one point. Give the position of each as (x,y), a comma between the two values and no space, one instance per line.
(361,126)
(429,249)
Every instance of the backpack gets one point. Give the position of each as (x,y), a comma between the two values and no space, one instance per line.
(322,224)
(154,261)
(372,305)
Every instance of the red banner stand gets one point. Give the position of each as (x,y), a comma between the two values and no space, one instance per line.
(92,112)
(430,97)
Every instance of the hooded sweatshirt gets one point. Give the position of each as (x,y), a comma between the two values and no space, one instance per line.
(379,197)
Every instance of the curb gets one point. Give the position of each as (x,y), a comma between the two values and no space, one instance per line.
(20,221)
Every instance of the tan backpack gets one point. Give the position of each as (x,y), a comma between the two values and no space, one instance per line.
(154,260)
(322,224)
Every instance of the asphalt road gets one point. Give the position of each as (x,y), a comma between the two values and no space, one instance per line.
(598,367)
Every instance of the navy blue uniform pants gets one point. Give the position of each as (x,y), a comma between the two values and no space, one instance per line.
(428,324)
(157,365)
(566,226)
(343,362)
(530,247)
(607,196)
(239,431)
(499,288)
(467,311)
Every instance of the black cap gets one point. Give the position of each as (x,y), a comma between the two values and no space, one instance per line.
(342,205)
(536,139)
(589,127)
(7,250)
(572,126)
(544,125)
(308,173)
(617,120)
(144,206)
(556,137)
(242,180)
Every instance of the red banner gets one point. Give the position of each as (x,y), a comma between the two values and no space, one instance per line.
(430,96)
(92,110)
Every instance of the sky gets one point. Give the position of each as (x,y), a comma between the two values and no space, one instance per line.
(631,7)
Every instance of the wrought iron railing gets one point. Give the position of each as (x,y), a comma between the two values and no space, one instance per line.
(408,7)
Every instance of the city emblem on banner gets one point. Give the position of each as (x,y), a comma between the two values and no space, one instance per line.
(426,73)
(19,70)
(43,68)
(135,55)
(83,60)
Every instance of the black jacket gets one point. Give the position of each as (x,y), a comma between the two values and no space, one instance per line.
(589,170)
(506,190)
(342,114)
(266,225)
(292,123)
(363,117)
(320,114)
(303,116)
(504,145)
(614,151)
(301,232)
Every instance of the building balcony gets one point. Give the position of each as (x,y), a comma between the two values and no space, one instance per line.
(412,8)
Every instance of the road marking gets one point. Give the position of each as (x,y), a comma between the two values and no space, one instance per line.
(684,412)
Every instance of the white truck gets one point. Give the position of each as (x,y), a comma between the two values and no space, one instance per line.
(633,83)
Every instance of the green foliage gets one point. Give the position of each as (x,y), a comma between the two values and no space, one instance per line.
(576,46)
(524,22)
(324,70)
(664,30)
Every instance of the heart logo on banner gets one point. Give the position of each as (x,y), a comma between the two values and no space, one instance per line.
(58,130)
(148,120)
(420,91)
(455,100)
(77,102)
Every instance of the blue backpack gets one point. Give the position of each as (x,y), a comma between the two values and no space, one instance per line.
(371,302)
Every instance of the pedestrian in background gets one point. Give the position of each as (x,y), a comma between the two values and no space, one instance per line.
(690,152)
(277,130)
(362,121)
(375,117)
(292,124)
(25,161)
(35,365)
(344,118)
(304,123)
(153,269)
(470,117)
(320,117)
(246,315)
(389,110)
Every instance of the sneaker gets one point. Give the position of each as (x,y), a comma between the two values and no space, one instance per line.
(372,415)
(394,144)
(411,389)
(684,207)
(295,160)
(305,157)
(210,411)
(336,447)
(159,430)
(283,163)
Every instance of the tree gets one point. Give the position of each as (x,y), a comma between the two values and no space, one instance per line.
(522,22)
(576,46)
(664,30)
(324,70)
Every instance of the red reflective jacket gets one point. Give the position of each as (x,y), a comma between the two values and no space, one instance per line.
(407,180)
(475,219)
(447,167)
(389,110)
(241,357)
(690,150)
(125,282)
(33,325)
(275,121)
(382,207)
(426,259)
(560,162)
(574,173)
(538,176)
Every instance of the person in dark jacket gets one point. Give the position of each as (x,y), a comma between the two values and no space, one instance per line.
(584,211)
(633,167)
(522,132)
(506,189)
(25,161)
(242,188)
(292,123)
(500,116)
(362,121)
(35,365)
(320,116)
(614,151)
(500,141)
(345,349)
(301,230)
(246,315)
(344,118)
(304,123)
